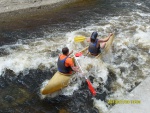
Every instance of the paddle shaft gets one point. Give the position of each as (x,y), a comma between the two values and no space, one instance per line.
(88,82)
(79,65)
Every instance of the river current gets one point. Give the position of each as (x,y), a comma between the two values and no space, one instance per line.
(29,51)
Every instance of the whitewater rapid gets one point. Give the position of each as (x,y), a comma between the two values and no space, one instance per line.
(128,59)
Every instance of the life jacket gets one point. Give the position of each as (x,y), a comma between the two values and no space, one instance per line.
(93,49)
(61,66)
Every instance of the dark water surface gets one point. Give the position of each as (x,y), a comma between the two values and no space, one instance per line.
(34,25)
(20,93)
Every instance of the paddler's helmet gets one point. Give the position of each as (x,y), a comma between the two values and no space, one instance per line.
(94,35)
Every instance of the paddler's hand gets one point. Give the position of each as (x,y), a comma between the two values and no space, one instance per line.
(110,34)
(75,68)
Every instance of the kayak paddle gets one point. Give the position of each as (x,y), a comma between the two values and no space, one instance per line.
(91,88)
(79,38)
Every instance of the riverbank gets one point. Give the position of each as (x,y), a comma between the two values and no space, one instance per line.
(13,13)
(13,5)
(12,10)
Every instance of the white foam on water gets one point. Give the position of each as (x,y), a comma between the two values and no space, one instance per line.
(139,4)
(18,62)
(94,67)
(29,56)
(100,105)
(118,94)
(142,39)
(143,14)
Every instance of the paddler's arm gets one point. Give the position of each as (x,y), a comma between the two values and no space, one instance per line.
(70,63)
(74,68)
(105,40)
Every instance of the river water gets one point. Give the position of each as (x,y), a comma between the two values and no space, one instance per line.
(29,49)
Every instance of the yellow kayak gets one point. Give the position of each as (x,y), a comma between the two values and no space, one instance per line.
(57,82)
(60,80)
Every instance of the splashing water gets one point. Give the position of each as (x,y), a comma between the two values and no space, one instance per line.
(125,66)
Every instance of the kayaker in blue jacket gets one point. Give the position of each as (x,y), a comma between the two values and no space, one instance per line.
(96,44)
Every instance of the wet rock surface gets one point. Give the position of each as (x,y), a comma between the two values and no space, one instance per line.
(17,92)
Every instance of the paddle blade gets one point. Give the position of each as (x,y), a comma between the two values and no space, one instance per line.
(91,88)
(79,38)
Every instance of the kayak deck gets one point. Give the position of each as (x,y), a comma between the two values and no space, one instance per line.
(56,83)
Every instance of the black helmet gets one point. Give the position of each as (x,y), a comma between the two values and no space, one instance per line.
(94,35)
